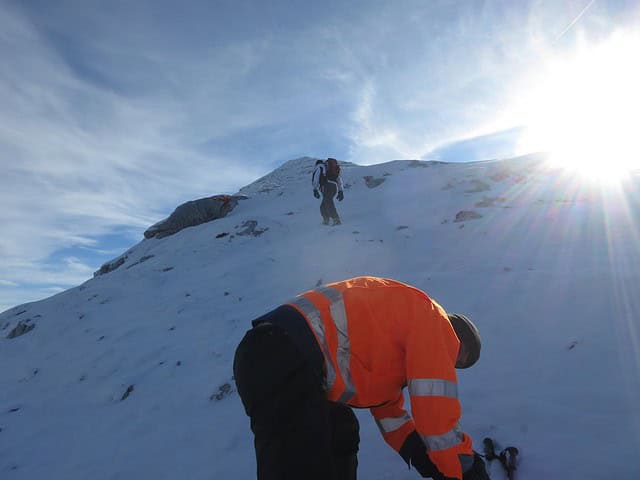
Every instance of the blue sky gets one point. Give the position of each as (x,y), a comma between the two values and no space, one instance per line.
(113,113)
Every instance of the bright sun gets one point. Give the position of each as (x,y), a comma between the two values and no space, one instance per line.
(585,111)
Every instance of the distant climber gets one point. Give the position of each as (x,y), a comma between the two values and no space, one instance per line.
(326,179)
(357,343)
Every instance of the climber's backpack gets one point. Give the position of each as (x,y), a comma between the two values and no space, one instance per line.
(332,169)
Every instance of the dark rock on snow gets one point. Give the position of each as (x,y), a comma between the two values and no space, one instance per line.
(23,326)
(463,215)
(372,182)
(111,266)
(192,213)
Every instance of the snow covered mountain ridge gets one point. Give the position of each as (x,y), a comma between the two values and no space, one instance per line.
(129,374)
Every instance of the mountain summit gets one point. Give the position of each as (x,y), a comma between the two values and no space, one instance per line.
(129,374)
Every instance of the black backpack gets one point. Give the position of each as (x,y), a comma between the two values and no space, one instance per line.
(332,169)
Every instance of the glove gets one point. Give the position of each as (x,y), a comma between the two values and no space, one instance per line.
(426,468)
(477,470)
(440,476)
(340,196)
(316,193)
(414,452)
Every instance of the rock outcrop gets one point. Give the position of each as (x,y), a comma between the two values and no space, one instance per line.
(192,213)
(23,326)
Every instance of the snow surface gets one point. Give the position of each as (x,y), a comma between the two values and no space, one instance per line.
(550,273)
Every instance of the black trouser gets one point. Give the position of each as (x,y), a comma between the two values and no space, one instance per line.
(327,207)
(298,432)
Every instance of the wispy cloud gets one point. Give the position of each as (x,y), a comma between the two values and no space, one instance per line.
(79,160)
(112,114)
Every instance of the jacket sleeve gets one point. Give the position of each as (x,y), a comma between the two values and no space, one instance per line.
(399,431)
(394,422)
(340,184)
(431,352)
(315,178)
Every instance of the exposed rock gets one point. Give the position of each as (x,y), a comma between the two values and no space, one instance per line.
(127,393)
(111,266)
(463,215)
(142,259)
(249,227)
(500,175)
(490,201)
(21,328)
(478,186)
(223,390)
(269,187)
(424,163)
(188,214)
(194,212)
(417,164)
(372,182)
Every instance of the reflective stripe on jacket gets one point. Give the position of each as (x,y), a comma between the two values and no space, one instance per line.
(379,336)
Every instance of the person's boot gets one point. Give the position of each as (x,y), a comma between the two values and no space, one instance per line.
(325,221)
(336,221)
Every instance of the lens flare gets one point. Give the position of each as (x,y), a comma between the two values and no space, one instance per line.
(584,110)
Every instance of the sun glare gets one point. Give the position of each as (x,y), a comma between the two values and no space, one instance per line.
(585,110)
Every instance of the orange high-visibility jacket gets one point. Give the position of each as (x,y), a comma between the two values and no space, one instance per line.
(378,336)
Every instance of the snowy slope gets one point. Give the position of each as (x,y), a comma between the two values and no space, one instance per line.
(550,272)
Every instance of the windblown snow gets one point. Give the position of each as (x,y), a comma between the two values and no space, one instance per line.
(129,374)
